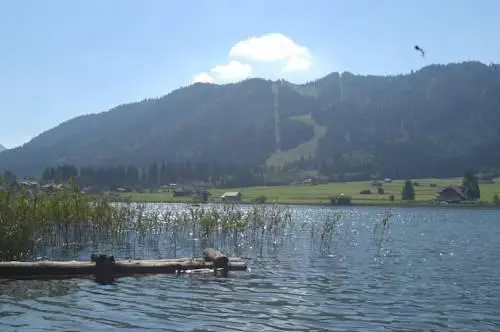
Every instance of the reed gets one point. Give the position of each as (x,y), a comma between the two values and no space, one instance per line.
(381,228)
(326,231)
(29,216)
(34,224)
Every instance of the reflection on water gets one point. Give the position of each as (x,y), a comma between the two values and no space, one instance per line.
(33,289)
(435,270)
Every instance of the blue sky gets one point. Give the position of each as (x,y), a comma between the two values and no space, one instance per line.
(60,59)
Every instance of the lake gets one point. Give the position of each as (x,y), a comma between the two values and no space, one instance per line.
(435,269)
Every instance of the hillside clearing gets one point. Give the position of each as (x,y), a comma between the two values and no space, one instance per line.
(304,150)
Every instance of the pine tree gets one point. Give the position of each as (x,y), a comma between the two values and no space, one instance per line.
(408,193)
(471,186)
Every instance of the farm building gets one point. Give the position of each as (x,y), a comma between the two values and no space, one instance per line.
(340,200)
(231,196)
(451,194)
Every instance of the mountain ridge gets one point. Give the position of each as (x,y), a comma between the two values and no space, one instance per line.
(442,112)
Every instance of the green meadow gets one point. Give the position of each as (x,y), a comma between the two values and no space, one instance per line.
(318,194)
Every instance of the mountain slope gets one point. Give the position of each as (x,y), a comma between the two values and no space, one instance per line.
(432,123)
(439,119)
(2,148)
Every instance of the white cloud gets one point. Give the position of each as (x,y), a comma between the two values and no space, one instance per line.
(274,47)
(231,72)
(203,78)
(234,70)
(271,48)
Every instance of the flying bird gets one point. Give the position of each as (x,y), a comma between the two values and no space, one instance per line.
(417,48)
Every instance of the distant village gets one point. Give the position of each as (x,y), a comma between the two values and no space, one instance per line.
(201,191)
(198,191)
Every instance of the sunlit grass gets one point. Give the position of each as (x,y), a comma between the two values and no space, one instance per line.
(303,150)
(318,194)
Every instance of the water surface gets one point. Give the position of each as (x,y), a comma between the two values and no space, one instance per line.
(436,270)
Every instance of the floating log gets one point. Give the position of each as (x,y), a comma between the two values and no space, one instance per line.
(105,269)
(219,260)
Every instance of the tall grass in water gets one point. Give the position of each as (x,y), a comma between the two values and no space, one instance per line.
(381,228)
(231,226)
(33,223)
(326,231)
(30,216)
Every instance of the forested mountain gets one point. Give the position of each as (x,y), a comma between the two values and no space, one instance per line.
(439,121)
(2,148)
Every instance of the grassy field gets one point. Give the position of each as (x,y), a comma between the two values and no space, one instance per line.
(318,194)
(303,150)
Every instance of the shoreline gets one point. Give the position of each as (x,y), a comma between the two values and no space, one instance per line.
(486,206)
(361,194)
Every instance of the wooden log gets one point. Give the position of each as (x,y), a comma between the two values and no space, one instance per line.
(45,269)
(219,260)
(214,255)
(106,270)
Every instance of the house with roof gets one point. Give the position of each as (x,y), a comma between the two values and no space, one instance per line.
(315,180)
(231,196)
(340,200)
(452,194)
(29,184)
(50,188)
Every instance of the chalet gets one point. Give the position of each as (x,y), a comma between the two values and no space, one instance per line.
(315,181)
(50,188)
(231,196)
(201,195)
(182,193)
(29,184)
(486,179)
(169,187)
(121,189)
(340,200)
(451,194)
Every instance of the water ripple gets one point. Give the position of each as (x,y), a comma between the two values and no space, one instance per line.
(438,270)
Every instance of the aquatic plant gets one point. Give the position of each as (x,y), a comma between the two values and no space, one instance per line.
(381,228)
(28,215)
(35,224)
(326,229)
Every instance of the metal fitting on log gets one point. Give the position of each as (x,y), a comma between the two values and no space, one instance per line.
(104,268)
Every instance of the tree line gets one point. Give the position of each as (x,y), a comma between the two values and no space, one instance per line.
(157,174)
